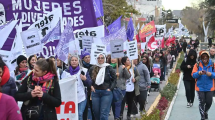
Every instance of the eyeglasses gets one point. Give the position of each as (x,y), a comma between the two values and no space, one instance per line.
(100,58)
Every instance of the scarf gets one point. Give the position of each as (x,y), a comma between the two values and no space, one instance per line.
(113,65)
(87,65)
(5,77)
(73,71)
(46,80)
(22,73)
(101,74)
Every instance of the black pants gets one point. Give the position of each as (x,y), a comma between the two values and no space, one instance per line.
(141,99)
(129,98)
(205,101)
(171,64)
(189,90)
(89,104)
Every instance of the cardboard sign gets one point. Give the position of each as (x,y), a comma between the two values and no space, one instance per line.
(31,41)
(117,48)
(96,49)
(87,43)
(132,51)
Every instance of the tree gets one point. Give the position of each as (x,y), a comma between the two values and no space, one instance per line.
(115,8)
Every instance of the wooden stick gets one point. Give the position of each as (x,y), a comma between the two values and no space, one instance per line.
(117,68)
(132,68)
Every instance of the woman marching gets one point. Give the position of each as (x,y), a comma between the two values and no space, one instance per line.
(132,87)
(103,82)
(83,80)
(189,82)
(22,68)
(204,74)
(40,92)
(31,62)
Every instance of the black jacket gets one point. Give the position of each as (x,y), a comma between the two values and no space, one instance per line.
(184,46)
(187,61)
(109,80)
(51,100)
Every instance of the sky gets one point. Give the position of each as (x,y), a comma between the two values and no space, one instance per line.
(177,4)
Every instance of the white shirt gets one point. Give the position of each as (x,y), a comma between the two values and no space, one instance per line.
(129,83)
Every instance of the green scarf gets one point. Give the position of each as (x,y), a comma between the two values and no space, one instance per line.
(113,65)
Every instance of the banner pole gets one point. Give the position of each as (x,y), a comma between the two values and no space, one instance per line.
(117,67)
(132,68)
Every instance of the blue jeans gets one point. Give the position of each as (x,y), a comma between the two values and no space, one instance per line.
(116,106)
(101,100)
(81,108)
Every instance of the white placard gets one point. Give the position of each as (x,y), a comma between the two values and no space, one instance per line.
(132,51)
(31,41)
(96,49)
(117,48)
(69,106)
(143,46)
(87,42)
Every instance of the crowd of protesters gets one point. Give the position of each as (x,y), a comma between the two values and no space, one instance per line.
(36,82)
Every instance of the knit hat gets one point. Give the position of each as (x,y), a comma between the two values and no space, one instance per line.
(20,59)
(84,53)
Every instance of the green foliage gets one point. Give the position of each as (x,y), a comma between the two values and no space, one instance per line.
(173,78)
(115,8)
(168,91)
(155,115)
(180,60)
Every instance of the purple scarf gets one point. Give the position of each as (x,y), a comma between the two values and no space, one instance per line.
(73,71)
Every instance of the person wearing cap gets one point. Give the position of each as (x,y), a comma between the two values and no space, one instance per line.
(85,57)
(204,74)
(83,80)
(103,82)
(22,68)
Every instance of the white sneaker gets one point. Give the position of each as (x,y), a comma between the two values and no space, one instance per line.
(188,105)
(133,116)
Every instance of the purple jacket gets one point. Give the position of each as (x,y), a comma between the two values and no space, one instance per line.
(9,110)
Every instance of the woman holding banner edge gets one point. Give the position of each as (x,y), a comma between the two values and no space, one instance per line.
(103,82)
(83,79)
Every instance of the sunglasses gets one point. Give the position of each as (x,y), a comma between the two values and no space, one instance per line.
(100,58)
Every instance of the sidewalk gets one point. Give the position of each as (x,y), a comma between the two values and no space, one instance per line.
(181,112)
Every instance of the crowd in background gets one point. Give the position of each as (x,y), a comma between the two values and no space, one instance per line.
(36,82)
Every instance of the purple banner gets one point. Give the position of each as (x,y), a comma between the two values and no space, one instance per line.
(80,12)
(48,49)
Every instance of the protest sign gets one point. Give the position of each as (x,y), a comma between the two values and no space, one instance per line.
(68,110)
(132,51)
(69,106)
(143,46)
(147,30)
(80,12)
(117,48)
(87,43)
(31,41)
(160,31)
(7,58)
(95,50)
(96,32)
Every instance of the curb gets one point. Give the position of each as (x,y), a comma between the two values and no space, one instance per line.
(159,96)
(174,98)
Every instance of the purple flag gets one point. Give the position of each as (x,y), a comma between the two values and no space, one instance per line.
(120,34)
(62,49)
(130,30)
(54,34)
(2,26)
(99,22)
(98,7)
(80,12)
(115,26)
